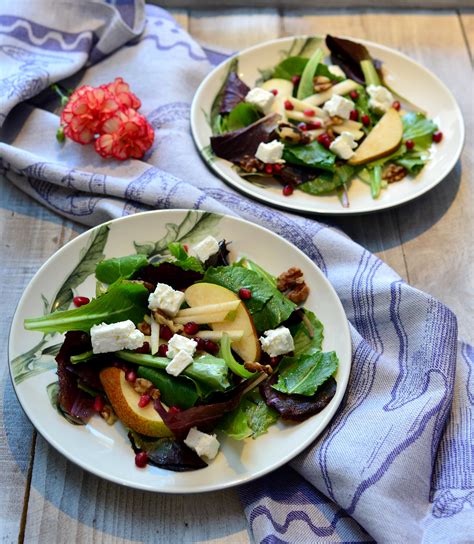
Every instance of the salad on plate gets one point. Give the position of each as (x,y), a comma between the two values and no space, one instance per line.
(184,346)
(316,124)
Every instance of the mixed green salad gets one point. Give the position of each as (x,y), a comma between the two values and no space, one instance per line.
(187,344)
(315,124)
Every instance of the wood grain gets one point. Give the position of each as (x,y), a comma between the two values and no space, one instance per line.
(467,22)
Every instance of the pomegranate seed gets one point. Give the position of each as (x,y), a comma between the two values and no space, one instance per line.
(274,360)
(277,168)
(211,347)
(325,140)
(131,376)
(144,400)
(396,105)
(288,105)
(303,126)
(269,168)
(141,459)
(186,248)
(354,115)
(295,79)
(437,137)
(163,350)
(287,190)
(99,403)
(365,120)
(274,92)
(313,125)
(165,333)
(309,113)
(354,95)
(80,301)
(245,294)
(410,144)
(144,349)
(201,344)
(191,328)
(174,410)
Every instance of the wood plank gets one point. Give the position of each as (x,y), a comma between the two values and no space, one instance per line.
(426,226)
(467,22)
(325,4)
(29,233)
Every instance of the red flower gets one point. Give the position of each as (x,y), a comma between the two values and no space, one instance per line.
(88,108)
(126,134)
(122,93)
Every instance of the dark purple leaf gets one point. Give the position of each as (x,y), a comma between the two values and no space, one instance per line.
(295,175)
(297,407)
(168,273)
(234,92)
(237,144)
(220,257)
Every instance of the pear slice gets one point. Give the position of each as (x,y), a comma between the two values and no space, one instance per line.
(384,139)
(124,400)
(285,90)
(208,293)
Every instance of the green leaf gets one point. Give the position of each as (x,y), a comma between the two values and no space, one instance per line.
(90,256)
(174,391)
(303,375)
(267,306)
(362,104)
(323,70)
(371,76)
(306,86)
(418,128)
(233,67)
(413,161)
(111,270)
(234,366)
(124,300)
(292,66)
(308,340)
(375,181)
(241,116)
(313,155)
(208,372)
(183,260)
(251,265)
(324,183)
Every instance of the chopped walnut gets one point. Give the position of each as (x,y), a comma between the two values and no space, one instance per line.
(141,385)
(292,134)
(293,285)
(145,328)
(154,393)
(321,83)
(337,120)
(394,172)
(162,319)
(108,415)
(252,366)
(251,164)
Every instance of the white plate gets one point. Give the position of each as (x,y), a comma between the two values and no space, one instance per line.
(406,76)
(104,450)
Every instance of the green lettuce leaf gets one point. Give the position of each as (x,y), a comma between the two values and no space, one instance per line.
(111,270)
(304,374)
(324,183)
(305,344)
(251,265)
(124,300)
(323,70)
(292,66)
(413,161)
(313,155)
(183,260)
(418,128)
(241,116)
(267,306)
(178,391)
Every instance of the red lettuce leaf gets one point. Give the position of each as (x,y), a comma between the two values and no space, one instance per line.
(243,142)
(169,273)
(295,175)
(297,407)
(234,92)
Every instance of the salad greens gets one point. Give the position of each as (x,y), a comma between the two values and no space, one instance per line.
(313,155)
(306,87)
(290,67)
(111,270)
(178,391)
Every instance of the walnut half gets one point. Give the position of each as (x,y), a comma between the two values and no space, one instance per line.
(293,285)
(394,172)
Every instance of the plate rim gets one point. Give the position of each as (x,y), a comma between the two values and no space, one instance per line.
(342,380)
(301,208)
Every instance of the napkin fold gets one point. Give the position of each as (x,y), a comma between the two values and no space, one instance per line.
(396,463)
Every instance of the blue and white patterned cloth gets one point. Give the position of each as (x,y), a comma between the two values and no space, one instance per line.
(396,463)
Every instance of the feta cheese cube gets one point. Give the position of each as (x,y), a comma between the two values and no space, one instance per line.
(261,99)
(338,106)
(277,341)
(205,248)
(380,98)
(336,71)
(203,444)
(343,146)
(107,338)
(178,363)
(270,153)
(166,299)
(179,343)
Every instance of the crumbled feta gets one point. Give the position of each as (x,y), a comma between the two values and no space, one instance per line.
(380,98)
(205,248)
(166,299)
(277,341)
(270,153)
(343,146)
(179,343)
(178,363)
(336,71)
(111,337)
(338,106)
(261,99)
(203,444)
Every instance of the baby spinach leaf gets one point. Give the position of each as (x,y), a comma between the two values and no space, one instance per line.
(123,300)
(267,305)
(111,270)
(241,116)
(308,340)
(292,66)
(418,128)
(303,375)
(174,391)
(251,265)
(324,183)
(313,155)
(183,260)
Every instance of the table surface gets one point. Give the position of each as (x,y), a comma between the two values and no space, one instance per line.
(44,497)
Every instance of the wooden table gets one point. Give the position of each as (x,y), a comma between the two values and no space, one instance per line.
(45,498)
